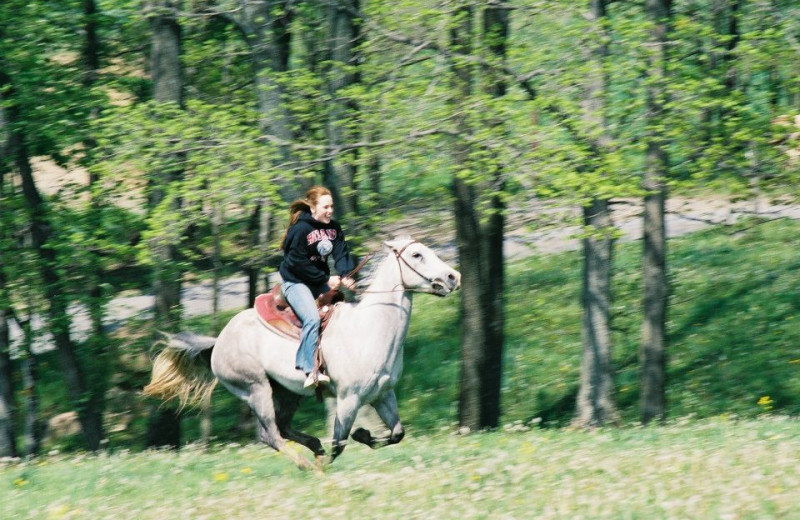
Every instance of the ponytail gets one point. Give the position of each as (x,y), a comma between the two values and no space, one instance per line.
(301,206)
(296,208)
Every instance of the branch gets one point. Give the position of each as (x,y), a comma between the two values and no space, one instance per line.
(414,134)
(523,80)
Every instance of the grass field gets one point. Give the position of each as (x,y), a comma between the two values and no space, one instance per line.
(722,468)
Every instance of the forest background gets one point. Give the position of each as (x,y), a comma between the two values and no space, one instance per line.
(182,129)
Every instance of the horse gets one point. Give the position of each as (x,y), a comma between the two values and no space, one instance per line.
(362,347)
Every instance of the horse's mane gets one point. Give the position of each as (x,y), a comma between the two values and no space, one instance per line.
(368,271)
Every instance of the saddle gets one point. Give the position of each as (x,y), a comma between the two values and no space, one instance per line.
(276,314)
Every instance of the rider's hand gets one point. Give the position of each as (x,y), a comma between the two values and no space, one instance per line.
(348,282)
(334,282)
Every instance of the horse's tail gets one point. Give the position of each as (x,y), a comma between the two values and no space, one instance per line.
(182,369)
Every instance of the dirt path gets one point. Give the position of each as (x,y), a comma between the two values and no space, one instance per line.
(546,229)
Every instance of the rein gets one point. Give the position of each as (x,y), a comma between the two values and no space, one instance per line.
(361,264)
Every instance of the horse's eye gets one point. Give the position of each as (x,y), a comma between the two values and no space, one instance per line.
(417,256)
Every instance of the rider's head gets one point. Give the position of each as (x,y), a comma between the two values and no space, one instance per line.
(318,201)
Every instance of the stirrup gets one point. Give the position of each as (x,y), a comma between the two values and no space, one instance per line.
(316,378)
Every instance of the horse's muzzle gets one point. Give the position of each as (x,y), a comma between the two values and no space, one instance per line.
(447,284)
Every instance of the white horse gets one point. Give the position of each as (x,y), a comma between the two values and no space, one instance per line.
(362,346)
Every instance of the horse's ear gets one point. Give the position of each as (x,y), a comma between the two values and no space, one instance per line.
(398,242)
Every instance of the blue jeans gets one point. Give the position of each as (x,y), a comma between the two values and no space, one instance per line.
(304,305)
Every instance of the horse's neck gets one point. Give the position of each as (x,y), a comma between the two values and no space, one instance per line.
(366,340)
(386,294)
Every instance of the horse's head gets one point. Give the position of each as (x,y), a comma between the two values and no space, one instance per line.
(421,269)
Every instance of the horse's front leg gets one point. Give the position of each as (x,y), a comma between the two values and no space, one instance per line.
(346,411)
(387,410)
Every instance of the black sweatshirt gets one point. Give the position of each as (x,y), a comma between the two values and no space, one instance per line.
(306,248)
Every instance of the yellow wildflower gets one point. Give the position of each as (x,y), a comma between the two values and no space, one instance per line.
(766,403)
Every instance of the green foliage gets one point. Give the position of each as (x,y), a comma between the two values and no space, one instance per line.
(224,166)
(43,64)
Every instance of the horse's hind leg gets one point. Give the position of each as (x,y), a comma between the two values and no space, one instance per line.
(387,410)
(286,404)
(261,402)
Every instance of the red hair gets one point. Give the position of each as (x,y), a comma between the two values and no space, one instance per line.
(299,206)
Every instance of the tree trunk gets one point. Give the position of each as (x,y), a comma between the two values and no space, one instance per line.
(165,56)
(595,402)
(495,35)
(343,37)
(98,348)
(726,15)
(653,349)
(8,438)
(91,49)
(264,24)
(163,427)
(261,229)
(479,237)
(265,27)
(473,331)
(32,433)
(167,88)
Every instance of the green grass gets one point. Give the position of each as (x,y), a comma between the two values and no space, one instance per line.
(718,468)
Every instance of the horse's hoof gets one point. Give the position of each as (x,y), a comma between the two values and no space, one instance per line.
(363,436)
(305,465)
(321,461)
(320,464)
(335,452)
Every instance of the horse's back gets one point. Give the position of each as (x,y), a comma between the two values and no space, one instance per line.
(246,351)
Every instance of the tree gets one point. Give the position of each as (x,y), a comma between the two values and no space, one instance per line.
(41,232)
(166,71)
(8,440)
(265,27)
(30,80)
(656,288)
(479,234)
(342,75)
(595,403)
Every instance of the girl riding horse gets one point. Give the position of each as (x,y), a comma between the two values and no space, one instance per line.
(312,236)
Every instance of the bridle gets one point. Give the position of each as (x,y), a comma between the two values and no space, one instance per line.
(398,255)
